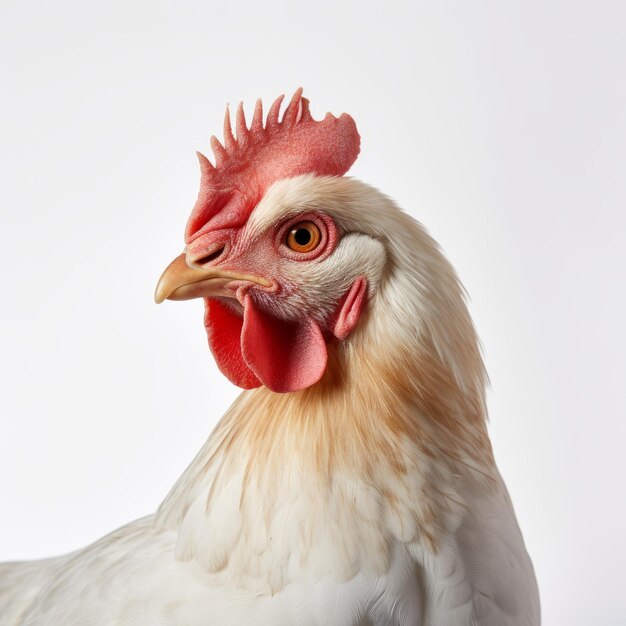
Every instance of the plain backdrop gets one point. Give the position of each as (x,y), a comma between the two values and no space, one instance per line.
(499,125)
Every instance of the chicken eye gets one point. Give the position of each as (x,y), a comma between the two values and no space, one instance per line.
(304,237)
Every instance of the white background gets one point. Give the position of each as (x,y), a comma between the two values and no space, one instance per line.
(499,125)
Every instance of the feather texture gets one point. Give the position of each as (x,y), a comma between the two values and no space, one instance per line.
(370,498)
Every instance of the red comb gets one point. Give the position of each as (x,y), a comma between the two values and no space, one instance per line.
(246,166)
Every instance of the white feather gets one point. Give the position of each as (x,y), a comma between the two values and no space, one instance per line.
(376,505)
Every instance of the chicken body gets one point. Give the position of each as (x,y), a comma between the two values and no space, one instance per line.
(131,577)
(368,498)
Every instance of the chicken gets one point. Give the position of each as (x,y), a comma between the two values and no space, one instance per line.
(352,482)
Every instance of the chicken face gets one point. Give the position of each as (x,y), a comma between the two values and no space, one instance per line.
(279,275)
(282,286)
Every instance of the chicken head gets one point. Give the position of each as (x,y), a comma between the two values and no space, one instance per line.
(279,275)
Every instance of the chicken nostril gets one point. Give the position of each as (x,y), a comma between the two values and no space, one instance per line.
(210,257)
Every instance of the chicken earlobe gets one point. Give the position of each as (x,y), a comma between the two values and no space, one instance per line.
(349,311)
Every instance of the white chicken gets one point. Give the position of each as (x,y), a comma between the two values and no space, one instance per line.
(353,482)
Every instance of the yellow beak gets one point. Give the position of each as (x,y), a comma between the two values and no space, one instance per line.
(181,282)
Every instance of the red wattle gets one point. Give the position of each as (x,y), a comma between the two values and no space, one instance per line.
(285,356)
(223,327)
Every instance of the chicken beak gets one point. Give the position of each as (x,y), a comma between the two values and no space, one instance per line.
(181,282)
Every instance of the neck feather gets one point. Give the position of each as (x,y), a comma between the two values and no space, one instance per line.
(385,437)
